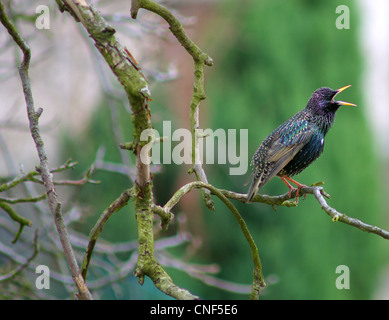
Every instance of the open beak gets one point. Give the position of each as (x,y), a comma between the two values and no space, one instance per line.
(343,103)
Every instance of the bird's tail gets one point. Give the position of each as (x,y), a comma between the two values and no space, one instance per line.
(257,183)
(259,180)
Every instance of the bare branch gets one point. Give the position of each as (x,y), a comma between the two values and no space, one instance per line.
(20,268)
(23,200)
(30,176)
(337,216)
(33,116)
(281,200)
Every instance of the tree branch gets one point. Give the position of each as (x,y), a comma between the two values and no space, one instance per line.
(125,67)
(19,269)
(258,279)
(33,116)
(30,176)
(200,59)
(98,228)
(337,216)
(16,217)
(319,193)
(24,200)
(175,27)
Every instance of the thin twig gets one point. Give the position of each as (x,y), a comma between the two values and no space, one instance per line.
(16,217)
(24,200)
(20,268)
(98,228)
(30,176)
(337,216)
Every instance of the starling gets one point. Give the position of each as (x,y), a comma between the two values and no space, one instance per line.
(296,143)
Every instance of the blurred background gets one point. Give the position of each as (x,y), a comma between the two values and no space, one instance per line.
(269,56)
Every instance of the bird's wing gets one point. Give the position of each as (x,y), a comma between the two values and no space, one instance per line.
(290,140)
(285,144)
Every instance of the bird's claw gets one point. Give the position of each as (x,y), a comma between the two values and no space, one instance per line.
(297,192)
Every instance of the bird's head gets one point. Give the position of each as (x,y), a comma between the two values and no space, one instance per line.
(322,100)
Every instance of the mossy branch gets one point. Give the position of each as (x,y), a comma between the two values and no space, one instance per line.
(165,213)
(16,217)
(98,228)
(200,59)
(341,217)
(125,67)
(175,27)
(320,195)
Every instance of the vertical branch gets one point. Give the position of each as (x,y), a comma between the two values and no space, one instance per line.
(33,116)
(136,87)
(197,97)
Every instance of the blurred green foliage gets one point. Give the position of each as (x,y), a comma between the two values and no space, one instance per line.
(270,58)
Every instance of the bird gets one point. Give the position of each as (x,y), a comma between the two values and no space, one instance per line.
(296,143)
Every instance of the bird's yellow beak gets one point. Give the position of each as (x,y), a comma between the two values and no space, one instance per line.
(343,103)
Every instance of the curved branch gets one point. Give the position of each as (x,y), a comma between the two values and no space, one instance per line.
(175,27)
(16,217)
(258,279)
(95,232)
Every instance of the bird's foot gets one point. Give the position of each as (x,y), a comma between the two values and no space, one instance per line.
(291,189)
(298,192)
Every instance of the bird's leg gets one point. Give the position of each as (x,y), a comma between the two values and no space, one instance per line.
(285,178)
